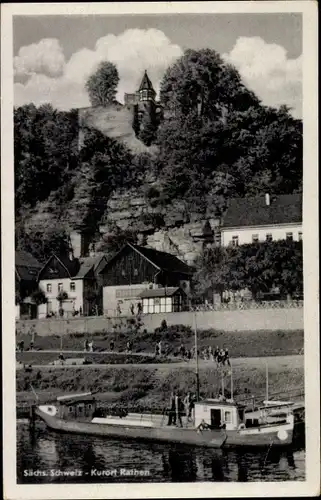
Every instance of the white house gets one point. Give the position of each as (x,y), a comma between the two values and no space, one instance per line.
(70,284)
(262,218)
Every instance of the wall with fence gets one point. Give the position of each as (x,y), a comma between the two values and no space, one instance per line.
(290,318)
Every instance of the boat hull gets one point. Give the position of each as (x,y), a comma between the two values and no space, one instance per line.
(281,435)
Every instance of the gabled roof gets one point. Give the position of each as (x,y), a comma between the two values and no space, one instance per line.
(160,292)
(146,84)
(27,267)
(249,212)
(72,266)
(163,261)
(88,264)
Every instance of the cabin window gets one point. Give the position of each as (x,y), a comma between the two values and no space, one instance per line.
(70,409)
(269,237)
(289,236)
(80,409)
(89,406)
(60,287)
(135,272)
(227,417)
(255,238)
(300,236)
(49,287)
(72,286)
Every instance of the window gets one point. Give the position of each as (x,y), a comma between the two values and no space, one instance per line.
(60,287)
(255,238)
(135,272)
(72,286)
(235,241)
(157,301)
(123,272)
(300,235)
(269,237)
(70,409)
(289,236)
(49,287)
(227,417)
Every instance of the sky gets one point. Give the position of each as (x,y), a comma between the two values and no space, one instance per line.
(54,55)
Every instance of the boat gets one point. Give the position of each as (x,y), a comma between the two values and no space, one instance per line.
(216,423)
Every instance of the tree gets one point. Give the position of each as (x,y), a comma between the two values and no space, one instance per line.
(39,297)
(102,84)
(202,83)
(258,267)
(42,244)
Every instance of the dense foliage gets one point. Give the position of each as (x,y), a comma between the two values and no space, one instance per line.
(258,267)
(220,140)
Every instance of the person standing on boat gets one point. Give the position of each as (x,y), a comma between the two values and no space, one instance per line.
(132,310)
(178,410)
(188,404)
(112,345)
(227,358)
(171,411)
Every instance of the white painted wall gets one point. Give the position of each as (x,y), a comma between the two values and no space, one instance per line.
(125,295)
(245,234)
(76,296)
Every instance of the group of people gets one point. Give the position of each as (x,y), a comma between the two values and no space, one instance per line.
(179,407)
(220,356)
(20,347)
(139,308)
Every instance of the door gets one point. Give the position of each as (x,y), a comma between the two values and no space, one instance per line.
(215,419)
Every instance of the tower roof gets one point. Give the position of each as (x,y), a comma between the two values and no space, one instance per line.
(146,84)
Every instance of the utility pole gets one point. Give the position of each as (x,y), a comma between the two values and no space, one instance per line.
(196,358)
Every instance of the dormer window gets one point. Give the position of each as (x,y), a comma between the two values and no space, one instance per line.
(144,95)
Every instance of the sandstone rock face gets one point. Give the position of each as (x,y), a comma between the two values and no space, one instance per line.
(176,234)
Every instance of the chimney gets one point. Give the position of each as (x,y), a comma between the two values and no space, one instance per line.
(267,199)
(76,243)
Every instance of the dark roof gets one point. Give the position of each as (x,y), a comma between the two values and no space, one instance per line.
(88,264)
(283,209)
(163,261)
(72,265)
(27,267)
(23,258)
(146,84)
(160,292)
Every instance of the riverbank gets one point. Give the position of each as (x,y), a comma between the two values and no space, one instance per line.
(149,386)
(239,343)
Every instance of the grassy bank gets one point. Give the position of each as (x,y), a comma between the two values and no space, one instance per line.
(143,387)
(45,358)
(240,344)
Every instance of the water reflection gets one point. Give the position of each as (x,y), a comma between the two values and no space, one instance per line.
(165,463)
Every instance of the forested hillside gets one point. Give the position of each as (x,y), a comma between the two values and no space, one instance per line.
(217,140)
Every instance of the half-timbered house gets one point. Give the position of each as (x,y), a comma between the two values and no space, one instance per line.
(135,269)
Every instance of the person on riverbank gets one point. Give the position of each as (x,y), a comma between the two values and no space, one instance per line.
(178,409)
(132,310)
(227,358)
(171,410)
(86,345)
(188,406)
(139,308)
(112,345)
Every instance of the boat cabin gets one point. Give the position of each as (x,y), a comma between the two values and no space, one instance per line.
(76,407)
(218,414)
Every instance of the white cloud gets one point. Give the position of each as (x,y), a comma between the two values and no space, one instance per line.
(46,56)
(266,69)
(132,51)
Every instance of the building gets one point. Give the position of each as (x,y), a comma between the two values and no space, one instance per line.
(72,285)
(164,300)
(262,218)
(135,269)
(27,269)
(147,111)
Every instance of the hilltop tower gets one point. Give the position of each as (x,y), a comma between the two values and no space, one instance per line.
(147,112)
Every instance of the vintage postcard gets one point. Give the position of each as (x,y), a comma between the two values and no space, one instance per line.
(159,185)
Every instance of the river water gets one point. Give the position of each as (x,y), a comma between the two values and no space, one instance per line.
(47,457)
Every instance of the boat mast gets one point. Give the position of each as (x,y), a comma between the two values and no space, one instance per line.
(196,359)
(231,384)
(266,382)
